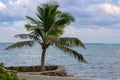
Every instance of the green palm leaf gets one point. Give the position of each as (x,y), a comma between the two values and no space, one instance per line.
(36,30)
(20,44)
(33,20)
(65,19)
(32,27)
(22,36)
(52,38)
(71,42)
(29,36)
(72,52)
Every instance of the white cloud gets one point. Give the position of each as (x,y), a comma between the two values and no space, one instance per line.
(93,25)
(119,1)
(8,30)
(18,9)
(2,6)
(97,35)
(18,2)
(110,9)
(8,34)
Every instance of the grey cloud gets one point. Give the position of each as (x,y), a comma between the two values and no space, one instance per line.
(86,12)
(99,21)
(16,25)
(94,1)
(17,12)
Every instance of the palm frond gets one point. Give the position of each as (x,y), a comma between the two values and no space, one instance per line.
(40,12)
(52,38)
(72,52)
(68,17)
(57,32)
(29,36)
(63,19)
(71,42)
(32,20)
(20,44)
(22,36)
(40,18)
(60,21)
(37,31)
(32,27)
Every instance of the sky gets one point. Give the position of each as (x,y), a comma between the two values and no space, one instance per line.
(96,21)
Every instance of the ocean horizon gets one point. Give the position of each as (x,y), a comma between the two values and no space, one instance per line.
(103,59)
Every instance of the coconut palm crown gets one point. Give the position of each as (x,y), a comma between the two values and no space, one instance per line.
(47,30)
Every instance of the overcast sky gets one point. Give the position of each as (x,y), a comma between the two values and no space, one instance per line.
(97,21)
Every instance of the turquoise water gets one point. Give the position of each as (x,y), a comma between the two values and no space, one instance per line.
(103,59)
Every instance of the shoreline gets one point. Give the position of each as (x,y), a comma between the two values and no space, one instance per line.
(59,73)
(41,77)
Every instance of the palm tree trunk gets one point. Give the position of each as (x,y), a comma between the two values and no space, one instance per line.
(43,60)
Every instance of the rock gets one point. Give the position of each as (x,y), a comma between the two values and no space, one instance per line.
(35,70)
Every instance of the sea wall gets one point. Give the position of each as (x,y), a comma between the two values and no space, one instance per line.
(35,70)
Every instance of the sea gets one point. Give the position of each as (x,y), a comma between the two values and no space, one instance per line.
(103,59)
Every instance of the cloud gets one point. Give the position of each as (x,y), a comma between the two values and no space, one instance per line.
(110,9)
(90,14)
(16,24)
(101,35)
(19,2)
(9,29)
(96,20)
(16,10)
(7,34)
(93,15)
(99,21)
(2,6)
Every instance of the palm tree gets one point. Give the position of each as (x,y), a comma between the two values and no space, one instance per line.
(47,29)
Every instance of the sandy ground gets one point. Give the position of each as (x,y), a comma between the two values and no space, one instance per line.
(40,77)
